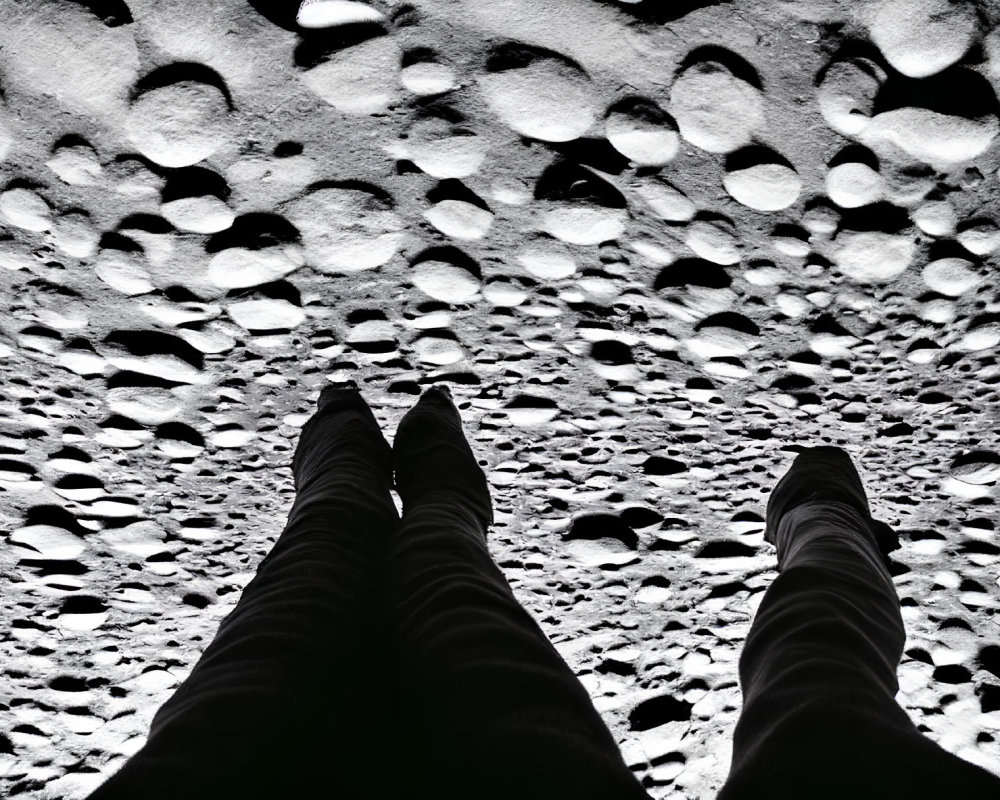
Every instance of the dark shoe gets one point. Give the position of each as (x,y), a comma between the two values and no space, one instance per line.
(433,457)
(824,474)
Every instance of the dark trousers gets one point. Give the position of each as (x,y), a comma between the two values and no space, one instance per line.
(373,657)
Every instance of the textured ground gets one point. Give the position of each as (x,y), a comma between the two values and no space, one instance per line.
(649,251)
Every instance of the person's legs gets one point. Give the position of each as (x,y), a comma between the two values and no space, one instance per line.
(495,711)
(279,703)
(818,669)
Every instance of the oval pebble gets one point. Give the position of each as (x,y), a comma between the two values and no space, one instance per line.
(713,241)
(547,263)
(951,276)
(438,350)
(446,282)
(847,92)
(642,132)
(428,77)
(547,99)
(25,209)
(764,187)
(179,124)
(982,238)
(666,202)
(853,184)
(266,314)
(330,13)
(206,214)
(941,140)
(362,79)
(49,541)
(714,109)
(936,218)
(459,219)
(582,223)
(872,256)
(921,37)
(239,267)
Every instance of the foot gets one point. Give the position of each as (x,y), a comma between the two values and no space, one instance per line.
(824,474)
(433,457)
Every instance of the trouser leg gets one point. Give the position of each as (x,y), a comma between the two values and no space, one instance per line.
(495,709)
(279,704)
(818,673)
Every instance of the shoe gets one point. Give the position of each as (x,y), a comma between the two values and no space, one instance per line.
(433,457)
(824,474)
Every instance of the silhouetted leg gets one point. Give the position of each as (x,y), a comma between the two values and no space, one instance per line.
(277,705)
(496,711)
(818,670)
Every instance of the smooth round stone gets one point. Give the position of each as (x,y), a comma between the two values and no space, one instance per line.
(642,139)
(951,276)
(363,79)
(205,214)
(267,314)
(77,165)
(666,202)
(937,218)
(714,109)
(442,153)
(346,230)
(445,282)
(921,37)
(713,242)
(459,219)
(49,541)
(764,187)
(981,239)
(504,293)
(853,184)
(179,124)
(25,209)
(577,223)
(123,273)
(547,264)
(428,77)
(149,405)
(847,95)
(873,257)
(547,99)
(438,350)
(941,140)
(330,13)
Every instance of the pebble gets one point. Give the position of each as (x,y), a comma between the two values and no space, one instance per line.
(583,223)
(714,241)
(438,350)
(546,99)
(123,272)
(443,152)
(48,541)
(951,276)
(504,293)
(459,219)
(179,124)
(847,92)
(206,214)
(666,201)
(446,282)
(853,184)
(941,140)
(74,234)
(935,218)
(428,77)
(266,314)
(872,256)
(330,13)
(240,267)
(363,79)
(346,229)
(547,263)
(714,109)
(981,238)
(148,405)
(764,187)
(921,37)
(76,165)
(642,131)
(25,209)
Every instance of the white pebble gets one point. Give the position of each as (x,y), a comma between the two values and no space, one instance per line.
(149,405)
(936,218)
(428,77)
(941,140)
(951,276)
(179,124)
(75,235)
(765,187)
(346,230)
(547,263)
(847,94)
(49,541)
(853,184)
(982,238)
(205,214)
(438,350)
(330,13)
(266,314)
(921,37)
(77,165)
(504,293)
(25,209)
(714,109)
(872,256)
(666,202)
(547,99)
(446,282)
(459,219)
(643,137)
(580,223)
(713,241)
(123,273)
(442,152)
(363,79)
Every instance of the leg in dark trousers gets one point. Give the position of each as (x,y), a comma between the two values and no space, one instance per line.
(281,704)
(818,670)
(495,711)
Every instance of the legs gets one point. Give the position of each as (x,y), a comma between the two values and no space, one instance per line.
(497,710)
(279,703)
(818,669)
